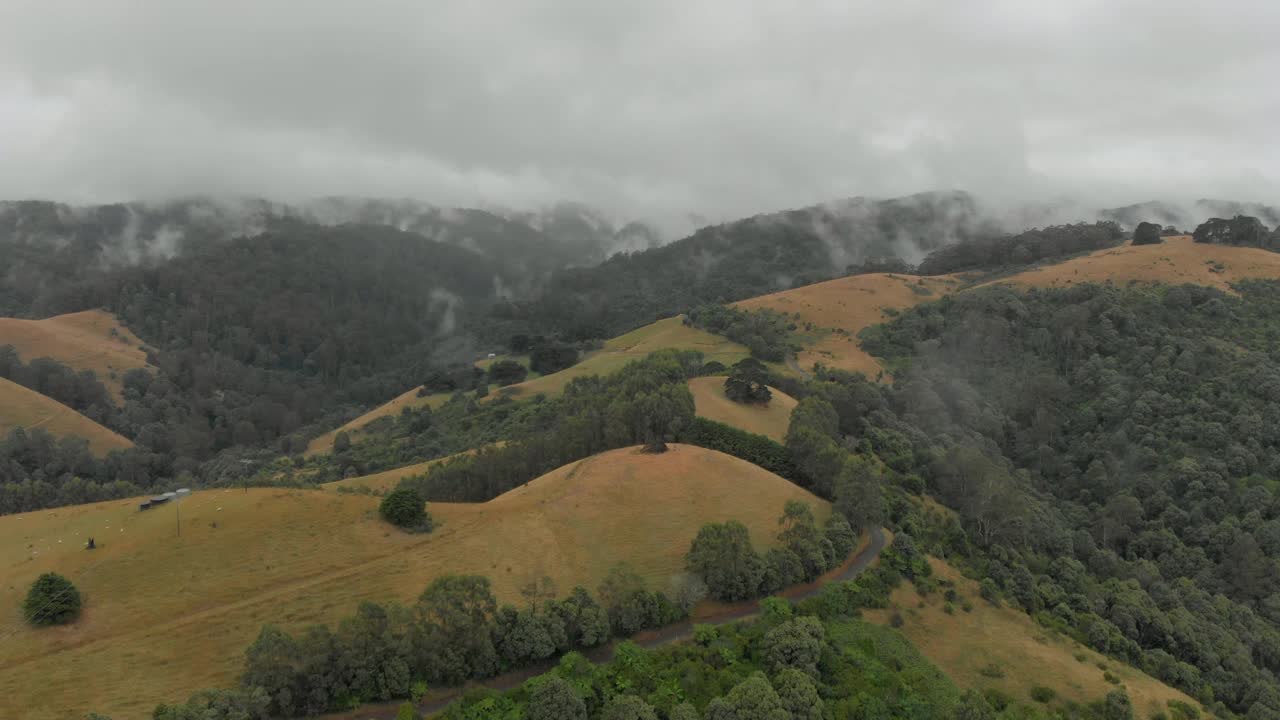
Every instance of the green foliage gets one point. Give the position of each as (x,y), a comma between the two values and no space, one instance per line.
(991,253)
(1125,431)
(795,644)
(723,557)
(250,704)
(405,508)
(747,383)
(1147,234)
(547,359)
(755,449)
(507,372)
(645,402)
(51,600)
(1042,694)
(628,707)
(766,333)
(555,699)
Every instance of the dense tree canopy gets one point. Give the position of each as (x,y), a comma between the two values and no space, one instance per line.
(52,600)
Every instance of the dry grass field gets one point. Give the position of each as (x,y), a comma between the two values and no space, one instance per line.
(166,615)
(21,407)
(1176,261)
(847,306)
(82,340)
(970,646)
(663,334)
(770,420)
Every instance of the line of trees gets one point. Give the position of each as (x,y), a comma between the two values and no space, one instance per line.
(723,557)
(456,631)
(646,402)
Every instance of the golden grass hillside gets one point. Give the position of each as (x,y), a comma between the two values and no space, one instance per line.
(970,647)
(663,334)
(1176,261)
(90,340)
(770,420)
(180,611)
(848,305)
(22,407)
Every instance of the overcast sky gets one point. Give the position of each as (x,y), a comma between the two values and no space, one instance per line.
(642,108)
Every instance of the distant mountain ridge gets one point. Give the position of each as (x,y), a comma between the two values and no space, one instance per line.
(49,244)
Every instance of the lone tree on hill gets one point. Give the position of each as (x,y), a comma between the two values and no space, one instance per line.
(52,600)
(746,383)
(1147,234)
(405,508)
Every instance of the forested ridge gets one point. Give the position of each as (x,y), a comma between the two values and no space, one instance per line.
(1113,455)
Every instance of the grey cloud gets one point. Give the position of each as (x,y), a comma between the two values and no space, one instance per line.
(656,109)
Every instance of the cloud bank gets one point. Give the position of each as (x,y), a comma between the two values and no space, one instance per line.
(654,109)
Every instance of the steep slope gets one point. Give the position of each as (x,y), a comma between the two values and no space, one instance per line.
(769,420)
(91,340)
(20,407)
(179,611)
(1003,648)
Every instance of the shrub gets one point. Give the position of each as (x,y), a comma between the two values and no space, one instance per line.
(405,508)
(1042,694)
(52,600)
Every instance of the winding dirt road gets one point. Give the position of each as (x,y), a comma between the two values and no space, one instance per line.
(648,639)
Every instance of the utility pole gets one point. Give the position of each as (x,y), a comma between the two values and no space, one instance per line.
(177,506)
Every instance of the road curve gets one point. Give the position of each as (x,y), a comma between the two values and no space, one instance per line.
(677,632)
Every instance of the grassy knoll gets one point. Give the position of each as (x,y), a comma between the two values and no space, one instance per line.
(20,407)
(89,340)
(179,611)
(769,420)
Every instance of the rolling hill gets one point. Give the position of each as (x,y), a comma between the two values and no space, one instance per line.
(849,305)
(1176,261)
(770,420)
(90,340)
(179,611)
(21,407)
(666,333)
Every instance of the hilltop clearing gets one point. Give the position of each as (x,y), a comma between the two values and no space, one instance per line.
(848,305)
(92,340)
(769,420)
(20,407)
(667,333)
(180,611)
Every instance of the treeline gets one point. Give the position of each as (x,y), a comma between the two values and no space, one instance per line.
(989,253)
(416,434)
(766,333)
(646,402)
(38,471)
(81,391)
(456,631)
(723,557)
(1241,230)
(1112,455)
